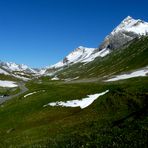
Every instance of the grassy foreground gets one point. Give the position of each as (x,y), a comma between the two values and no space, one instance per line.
(117,119)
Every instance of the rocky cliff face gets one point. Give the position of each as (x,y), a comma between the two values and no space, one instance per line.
(117,40)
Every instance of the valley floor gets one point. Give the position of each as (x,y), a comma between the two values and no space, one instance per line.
(119,118)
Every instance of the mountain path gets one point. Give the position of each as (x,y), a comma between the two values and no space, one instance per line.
(23,88)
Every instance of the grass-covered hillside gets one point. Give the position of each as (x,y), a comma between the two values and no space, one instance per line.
(117,119)
(130,57)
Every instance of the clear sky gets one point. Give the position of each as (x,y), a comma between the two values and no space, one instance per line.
(41,32)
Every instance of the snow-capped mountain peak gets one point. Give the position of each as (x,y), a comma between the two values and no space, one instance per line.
(78,55)
(81,55)
(126,31)
(132,25)
(128,18)
(19,71)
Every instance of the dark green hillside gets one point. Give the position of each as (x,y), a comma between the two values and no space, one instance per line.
(117,119)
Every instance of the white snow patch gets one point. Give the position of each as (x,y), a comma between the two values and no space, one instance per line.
(30,94)
(78,55)
(3,72)
(21,77)
(8,84)
(104,52)
(138,73)
(55,78)
(71,79)
(101,53)
(85,102)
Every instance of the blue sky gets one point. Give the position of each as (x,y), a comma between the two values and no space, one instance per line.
(41,32)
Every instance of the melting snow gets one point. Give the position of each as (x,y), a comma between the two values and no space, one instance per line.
(7,84)
(101,53)
(30,94)
(33,93)
(138,73)
(78,103)
(3,72)
(71,79)
(55,78)
(21,77)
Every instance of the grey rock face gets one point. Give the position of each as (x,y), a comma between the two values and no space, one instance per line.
(116,40)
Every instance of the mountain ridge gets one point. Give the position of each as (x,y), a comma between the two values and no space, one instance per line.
(125,32)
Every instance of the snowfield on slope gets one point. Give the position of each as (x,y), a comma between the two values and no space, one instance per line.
(138,73)
(82,55)
(21,77)
(85,102)
(55,78)
(71,79)
(78,55)
(3,72)
(93,56)
(30,94)
(10,84)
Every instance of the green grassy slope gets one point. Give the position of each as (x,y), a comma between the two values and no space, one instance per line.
(128,58)
(117,119)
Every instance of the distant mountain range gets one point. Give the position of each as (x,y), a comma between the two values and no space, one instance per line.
(11,67)
(19,71)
